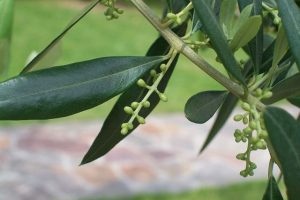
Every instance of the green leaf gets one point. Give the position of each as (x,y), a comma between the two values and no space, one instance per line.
(246,33)
(244,16)
(66,90)
(227,16)
(281,46)
(287,88)
(295,101)
(223,115)
(284,136)
(290,15)
(256,45)
(202,106)
(110,134)
(217,38)
(6,22)
(272,192)
(56,40)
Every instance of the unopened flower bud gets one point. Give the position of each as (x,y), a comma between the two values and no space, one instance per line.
(141,120)
(134,105)
(238,117)
(124,131)
(128,110)
(246,106)
(146,104)
(141,83)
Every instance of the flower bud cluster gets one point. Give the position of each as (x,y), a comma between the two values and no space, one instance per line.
(136,107)
(111,12)
(254,132)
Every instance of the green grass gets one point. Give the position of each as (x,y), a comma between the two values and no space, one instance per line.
(38,22)
(244,191)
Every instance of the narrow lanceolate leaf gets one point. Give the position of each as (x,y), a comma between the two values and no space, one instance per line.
(290,14)
(202,106)
(66,90)
(256,45)
(287,88)
(223,115)
(227,16)
(281,46)
(245,14)
(217,38)
(56,40)
(110,134)
(6,21)
(272,192)
(284,136)
(246,32)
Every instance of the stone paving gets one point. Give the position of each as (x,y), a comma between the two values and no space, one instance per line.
(40,162)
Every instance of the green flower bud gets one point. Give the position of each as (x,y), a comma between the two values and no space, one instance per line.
(252,165)
(263,134)
(141,83)
(124,125)
(141,120)
(153,73)
(253,125)
(146,104)
(134,105)
(171,16)
(241,156)
(246,106)
(250,173)
(237,133)
(163,67)
(163,97)
(238,139)
(247,130)
(258,92)
(267,95)
(254,140)
(238,117)
(124,131)
(261,145)
(243,173)
(178,20)
(130,126)
(244,139)
(245,120)
(120,11)
(128,110)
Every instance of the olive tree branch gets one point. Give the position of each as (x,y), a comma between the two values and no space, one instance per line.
(181,47)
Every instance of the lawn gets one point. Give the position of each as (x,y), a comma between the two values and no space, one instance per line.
(244,191)
(38,22)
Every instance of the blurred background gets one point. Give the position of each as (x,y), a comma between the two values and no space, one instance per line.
(39,159)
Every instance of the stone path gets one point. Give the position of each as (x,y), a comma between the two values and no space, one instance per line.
(40,162)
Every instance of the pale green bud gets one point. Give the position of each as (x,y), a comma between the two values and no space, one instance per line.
(238,117)
(146,104)
(163,97)
(246,106)
(128,110)
(141,120)
(141,83)
(124,131)
(134,104)
(163,67)
(253,125)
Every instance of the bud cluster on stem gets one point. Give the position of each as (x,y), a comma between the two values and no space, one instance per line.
(136,107)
